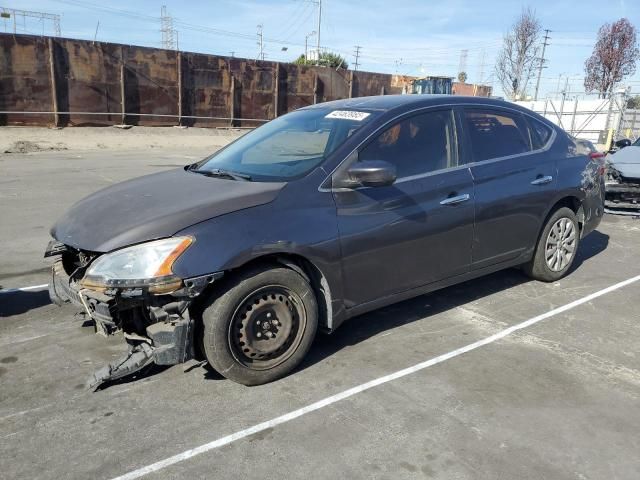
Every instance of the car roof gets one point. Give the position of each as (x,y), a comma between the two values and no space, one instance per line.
(411,101)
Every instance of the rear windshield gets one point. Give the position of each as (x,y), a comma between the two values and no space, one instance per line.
(289,146)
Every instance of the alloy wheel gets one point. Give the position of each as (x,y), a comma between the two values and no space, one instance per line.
(561,244)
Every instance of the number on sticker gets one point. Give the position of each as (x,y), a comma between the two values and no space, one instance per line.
(348,115)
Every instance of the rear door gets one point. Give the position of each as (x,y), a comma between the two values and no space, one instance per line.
(416,231)
(514,180)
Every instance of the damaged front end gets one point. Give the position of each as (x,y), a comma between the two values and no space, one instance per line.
(151,310)
(622,190)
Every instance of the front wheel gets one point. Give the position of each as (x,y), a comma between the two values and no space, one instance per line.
(557,247)
(261,327)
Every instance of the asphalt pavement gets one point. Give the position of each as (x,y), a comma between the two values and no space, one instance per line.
(558,398)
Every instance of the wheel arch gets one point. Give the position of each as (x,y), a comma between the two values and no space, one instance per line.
(307,269)
(573,203)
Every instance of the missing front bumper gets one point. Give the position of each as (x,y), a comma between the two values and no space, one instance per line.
(157,328)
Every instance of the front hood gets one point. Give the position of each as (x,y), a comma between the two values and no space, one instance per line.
(155,206)
(627,162)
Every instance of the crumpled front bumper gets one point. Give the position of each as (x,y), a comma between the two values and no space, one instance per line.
(623,198)
(98,306)
(157,328)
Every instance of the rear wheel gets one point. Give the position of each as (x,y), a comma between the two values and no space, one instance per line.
(261,327)
(557,247)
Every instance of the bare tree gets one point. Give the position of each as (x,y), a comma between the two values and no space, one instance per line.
(519,55)
(614,57)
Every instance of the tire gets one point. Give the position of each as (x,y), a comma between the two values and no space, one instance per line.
(260,326)
(550,263)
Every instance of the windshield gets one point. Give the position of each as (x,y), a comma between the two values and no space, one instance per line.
(637,143)
(287,147)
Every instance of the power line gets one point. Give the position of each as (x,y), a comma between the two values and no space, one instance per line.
(296,14)
(541,66)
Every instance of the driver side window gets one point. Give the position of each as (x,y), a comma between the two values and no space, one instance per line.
(416,145)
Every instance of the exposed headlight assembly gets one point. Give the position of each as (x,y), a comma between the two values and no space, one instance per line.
(146,265)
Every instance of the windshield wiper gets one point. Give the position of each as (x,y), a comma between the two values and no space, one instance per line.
(218,172)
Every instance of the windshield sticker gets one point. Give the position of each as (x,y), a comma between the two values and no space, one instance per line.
(348,115)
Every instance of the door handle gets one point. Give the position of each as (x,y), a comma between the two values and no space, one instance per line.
(542,180)
(455,200)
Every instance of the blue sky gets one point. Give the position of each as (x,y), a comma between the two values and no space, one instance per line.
(418,37)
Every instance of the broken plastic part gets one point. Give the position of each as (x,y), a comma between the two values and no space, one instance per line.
(138,357)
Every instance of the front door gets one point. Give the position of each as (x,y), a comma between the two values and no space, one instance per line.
(416,231)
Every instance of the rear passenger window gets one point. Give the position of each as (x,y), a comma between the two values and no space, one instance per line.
(496,134)
(540,133)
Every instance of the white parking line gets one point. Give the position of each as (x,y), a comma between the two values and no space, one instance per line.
(25,289)
(154,467)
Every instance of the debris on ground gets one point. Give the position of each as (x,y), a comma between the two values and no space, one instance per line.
(25,146)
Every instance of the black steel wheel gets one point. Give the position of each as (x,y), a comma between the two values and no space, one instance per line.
(267,327)
(259,325)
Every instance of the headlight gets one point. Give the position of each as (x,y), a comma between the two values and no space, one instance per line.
(145,265)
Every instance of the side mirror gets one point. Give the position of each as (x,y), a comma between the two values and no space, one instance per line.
(625,142)
(371,173)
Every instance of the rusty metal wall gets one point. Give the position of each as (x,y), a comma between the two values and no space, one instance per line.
(159,87)
(25,83)
(87,80)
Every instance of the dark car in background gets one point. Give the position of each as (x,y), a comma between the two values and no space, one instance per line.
(318,216)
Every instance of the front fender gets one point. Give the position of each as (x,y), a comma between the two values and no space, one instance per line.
(233,240)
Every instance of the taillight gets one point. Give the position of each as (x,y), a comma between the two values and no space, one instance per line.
(599,158)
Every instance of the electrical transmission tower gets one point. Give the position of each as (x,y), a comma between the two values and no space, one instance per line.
(357,55)
(542,60)
(12,14)
(462,67)
(166,27)
(260,43)
(481,66)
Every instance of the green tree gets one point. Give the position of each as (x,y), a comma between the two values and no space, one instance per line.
(462,77)
(327,59)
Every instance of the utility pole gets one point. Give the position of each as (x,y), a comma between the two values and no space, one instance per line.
(398,63)
(541,66)
(357,55)
(559,80)
(319,26)
(260,43)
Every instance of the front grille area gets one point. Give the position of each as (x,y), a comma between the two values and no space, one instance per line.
(75,261)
